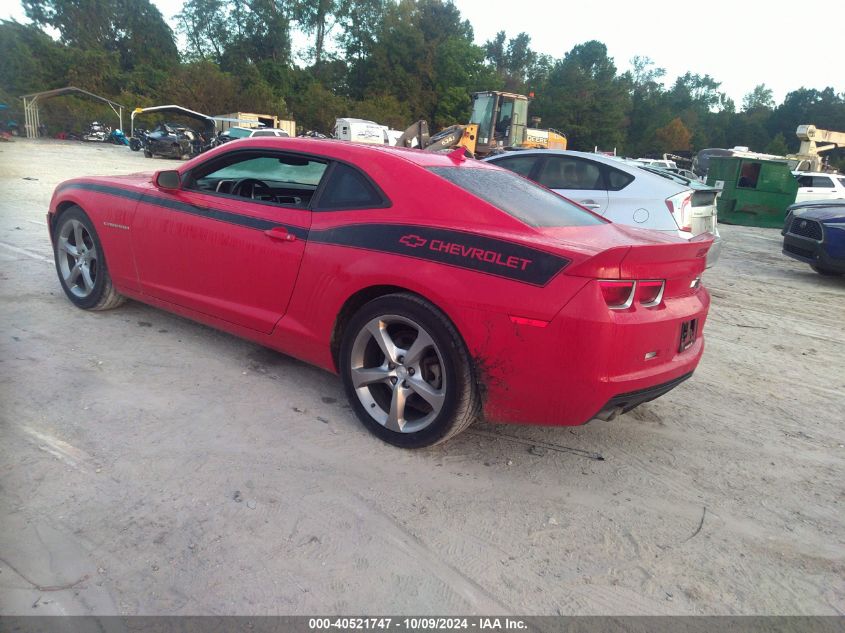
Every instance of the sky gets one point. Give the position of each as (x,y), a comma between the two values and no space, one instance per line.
(741,43)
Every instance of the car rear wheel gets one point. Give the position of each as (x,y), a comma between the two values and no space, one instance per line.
(81,264)
(407,373)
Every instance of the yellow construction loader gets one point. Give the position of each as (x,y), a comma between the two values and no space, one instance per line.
(499,122)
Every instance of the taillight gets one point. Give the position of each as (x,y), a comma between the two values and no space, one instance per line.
(650,292)
(679,206)
(618,295)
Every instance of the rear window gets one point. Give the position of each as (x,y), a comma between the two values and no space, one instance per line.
(618,180)
(236,132)
(348,189)
(517,196)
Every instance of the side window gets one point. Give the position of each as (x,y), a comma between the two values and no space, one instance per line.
(279,179)
(823,182)
(565,172)
(617,180)
(521,165)
(347,188)
(749,176)
(805,181)
(841,181)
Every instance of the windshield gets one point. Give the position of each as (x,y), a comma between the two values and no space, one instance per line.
(269,168)
(517,196)
(482,114)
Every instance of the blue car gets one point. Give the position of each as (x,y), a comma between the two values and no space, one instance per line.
(814,232)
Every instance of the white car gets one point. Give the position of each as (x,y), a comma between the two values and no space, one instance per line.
(819,186)
(654,162)
(622,192)
(246,132)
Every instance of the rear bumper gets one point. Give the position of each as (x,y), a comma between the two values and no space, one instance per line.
(626,401)
(588,362)
(810,251)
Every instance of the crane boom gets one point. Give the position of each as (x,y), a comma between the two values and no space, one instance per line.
(813,142)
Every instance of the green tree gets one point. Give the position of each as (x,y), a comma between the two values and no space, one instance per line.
(584,97)
(650,106)
(513,61)
(362,21)
(778,145)
(426,58)
(135,30)
(384,108)
(316,107)
(316,18)
(203,23)
(758,99)
(32,61)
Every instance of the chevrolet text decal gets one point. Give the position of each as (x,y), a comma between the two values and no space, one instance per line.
(455,248)
(473,252)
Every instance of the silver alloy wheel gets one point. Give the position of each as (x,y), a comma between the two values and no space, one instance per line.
(398,373)
(78,261)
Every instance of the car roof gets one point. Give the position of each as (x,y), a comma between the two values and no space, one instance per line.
(354,151)
(635,169)
(816,173)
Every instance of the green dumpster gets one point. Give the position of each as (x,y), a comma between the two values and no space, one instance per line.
(755,192)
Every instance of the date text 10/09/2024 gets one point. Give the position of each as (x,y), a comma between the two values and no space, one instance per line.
(413,624)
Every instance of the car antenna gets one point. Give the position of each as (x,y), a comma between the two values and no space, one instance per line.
(458,155)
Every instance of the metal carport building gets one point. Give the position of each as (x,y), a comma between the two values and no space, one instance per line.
(30,106)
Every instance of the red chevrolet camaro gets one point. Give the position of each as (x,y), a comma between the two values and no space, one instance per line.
(441,289)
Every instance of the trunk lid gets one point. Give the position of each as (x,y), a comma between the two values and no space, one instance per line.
(614,251)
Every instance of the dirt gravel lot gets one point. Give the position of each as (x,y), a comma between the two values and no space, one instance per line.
(126,435)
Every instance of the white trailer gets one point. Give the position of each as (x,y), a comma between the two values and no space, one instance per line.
(363,131)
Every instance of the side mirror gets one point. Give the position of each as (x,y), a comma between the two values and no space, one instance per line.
(168,180)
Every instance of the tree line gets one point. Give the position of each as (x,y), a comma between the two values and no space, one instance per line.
(391,61)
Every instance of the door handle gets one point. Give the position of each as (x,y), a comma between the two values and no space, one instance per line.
(280,233)
(590,204)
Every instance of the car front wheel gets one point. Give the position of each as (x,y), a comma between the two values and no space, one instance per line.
(825,271)
(407,373)
(81,264)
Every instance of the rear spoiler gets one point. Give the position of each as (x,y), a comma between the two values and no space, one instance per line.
(648,261)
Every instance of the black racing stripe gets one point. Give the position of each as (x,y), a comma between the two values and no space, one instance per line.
(107,189)
(445,246)
(183,207)
(454,248)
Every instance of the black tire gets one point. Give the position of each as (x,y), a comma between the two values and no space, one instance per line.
(446,361)
(827,272)
(148,153)
(101,295)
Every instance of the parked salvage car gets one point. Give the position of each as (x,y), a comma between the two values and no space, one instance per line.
(439,288)
(188,132)
(244,132)
(814,232)
(171,140)
(622,191)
